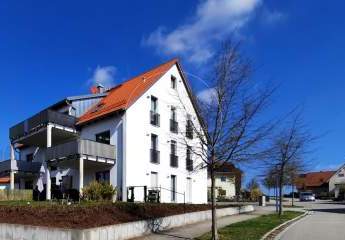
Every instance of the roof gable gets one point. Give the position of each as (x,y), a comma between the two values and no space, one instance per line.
(315,179)
(122,96)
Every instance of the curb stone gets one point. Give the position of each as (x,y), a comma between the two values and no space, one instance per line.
(270,235)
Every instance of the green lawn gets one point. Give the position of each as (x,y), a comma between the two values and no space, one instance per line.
(253,229)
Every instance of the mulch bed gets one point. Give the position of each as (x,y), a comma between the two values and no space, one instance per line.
(90,215)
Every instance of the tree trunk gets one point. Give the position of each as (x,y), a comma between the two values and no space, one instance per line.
(293,194)
(213,204)
(281,194)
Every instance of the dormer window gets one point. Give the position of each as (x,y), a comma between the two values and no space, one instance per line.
(173,82)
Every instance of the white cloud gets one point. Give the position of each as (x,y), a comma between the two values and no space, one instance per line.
(103,75)
(213,21)
(207,95)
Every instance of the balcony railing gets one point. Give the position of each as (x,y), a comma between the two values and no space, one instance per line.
(82,147)
(189,164)
(173,126)
(40,120)
(154,156)
(154,118)
(189,130)
(20,166)
(173,160)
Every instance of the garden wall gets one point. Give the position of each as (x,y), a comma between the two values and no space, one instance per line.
(113,232)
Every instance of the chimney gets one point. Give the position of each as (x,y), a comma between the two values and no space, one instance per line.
(98,89)
(101,88)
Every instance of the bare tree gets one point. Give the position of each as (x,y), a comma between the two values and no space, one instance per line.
(232,126)
(288,152)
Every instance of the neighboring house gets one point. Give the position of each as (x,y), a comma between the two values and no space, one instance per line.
(316,182)
(130,136)
(227,181)
(337,183)
(4,183)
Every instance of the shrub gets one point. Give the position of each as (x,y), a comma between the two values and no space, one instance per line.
(97,191)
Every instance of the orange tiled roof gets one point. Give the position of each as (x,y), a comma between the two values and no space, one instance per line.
(314,179)
(125,94)
(5,180)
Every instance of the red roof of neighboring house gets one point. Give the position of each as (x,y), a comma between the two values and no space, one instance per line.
(4,180)
(314,179)
(125,94)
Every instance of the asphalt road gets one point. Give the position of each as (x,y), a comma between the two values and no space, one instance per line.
(326,221)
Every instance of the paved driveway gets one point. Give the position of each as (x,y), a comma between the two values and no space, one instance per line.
(326,221)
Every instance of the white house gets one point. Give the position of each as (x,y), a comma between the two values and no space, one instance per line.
(138,136)
(337,182)
(227,182)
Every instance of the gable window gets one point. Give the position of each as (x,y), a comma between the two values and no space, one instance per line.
(173,82)
(173,157)
(29,157)
(154,153)
(103,137)
(154,116)
(173,122)
(341,175)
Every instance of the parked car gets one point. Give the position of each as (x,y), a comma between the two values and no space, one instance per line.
(306,196)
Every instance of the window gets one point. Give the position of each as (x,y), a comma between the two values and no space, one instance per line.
(103,176)
(189,127)
(173,113)
(341,175)
(173,147)
(173,82)
(173,188)
(189,161)
(173,122)
(154,141)
(223,179)
(154,153)
(154,104)
(103,137)
(154,116)
(29,157)
(173,157)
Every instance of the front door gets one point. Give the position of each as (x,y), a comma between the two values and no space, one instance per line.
(189,190)
(173,188)
(154,180)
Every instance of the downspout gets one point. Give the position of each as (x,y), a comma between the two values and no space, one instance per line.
(124,162)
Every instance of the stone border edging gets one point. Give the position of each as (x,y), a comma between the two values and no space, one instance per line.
(267,235)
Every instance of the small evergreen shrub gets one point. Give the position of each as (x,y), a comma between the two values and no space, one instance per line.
(98,191)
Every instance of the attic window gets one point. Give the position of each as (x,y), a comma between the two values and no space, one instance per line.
(173,82)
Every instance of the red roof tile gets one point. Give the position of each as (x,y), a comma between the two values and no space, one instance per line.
(314,179)
(125,94)
(5,180)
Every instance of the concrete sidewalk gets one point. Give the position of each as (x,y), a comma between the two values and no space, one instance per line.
(198,229)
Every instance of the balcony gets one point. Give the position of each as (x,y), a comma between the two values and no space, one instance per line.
(189,164)
(91,150)
(189,130)
(20,166)
(154,156)
(173,126)
(41,120)
(173,160)
(154,118)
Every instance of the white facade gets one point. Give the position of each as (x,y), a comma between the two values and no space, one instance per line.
(337,182)
(130,133)
(224,184)
(138,141)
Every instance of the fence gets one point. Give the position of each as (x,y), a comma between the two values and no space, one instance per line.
(16,195)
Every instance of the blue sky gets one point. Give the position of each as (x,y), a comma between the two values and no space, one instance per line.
(49,50)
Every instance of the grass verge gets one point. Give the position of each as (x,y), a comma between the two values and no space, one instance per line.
(253,229)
